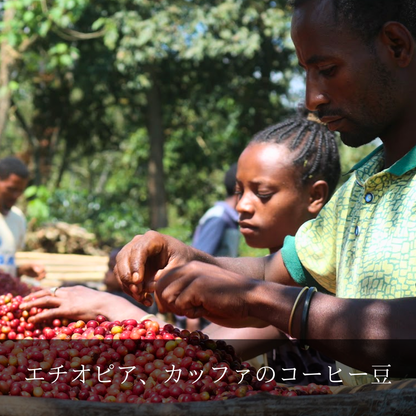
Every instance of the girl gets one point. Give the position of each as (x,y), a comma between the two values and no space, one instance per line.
(284,177)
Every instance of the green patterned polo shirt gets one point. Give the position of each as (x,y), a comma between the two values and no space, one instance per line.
(363,243)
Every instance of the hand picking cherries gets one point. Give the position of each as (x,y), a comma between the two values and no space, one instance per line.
(122,361)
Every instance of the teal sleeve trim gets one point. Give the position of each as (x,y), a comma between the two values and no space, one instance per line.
(295,268)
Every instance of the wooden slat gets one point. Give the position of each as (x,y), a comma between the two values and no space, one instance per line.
(377,403)
(61,268)
(78,276)
(52,258)
(75,268)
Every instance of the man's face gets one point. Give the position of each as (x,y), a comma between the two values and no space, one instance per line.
(348,84)
(10,190)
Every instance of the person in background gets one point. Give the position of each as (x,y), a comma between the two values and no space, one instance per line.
(14,177)
(217,231)
(217,234)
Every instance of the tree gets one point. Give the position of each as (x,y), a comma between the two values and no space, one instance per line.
(179,53)
(146,102)
(37,36)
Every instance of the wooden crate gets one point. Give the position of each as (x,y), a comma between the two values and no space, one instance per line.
(64,268)
(396,402)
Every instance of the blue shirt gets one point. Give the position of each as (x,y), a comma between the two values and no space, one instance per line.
(217,232)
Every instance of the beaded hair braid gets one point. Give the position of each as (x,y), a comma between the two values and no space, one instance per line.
(314,147)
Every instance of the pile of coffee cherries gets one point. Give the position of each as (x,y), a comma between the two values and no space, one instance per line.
(10,284)
(122,361)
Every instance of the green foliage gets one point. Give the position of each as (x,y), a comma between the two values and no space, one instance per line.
(80,88)
(37,208)
(112,220)
(351,156)
(246,251)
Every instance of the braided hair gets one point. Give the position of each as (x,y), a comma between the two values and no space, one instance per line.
(313,145)
(367,17)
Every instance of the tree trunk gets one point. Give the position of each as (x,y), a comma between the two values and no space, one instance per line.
(156,183)
(6,62)
(33,141)
(64,164)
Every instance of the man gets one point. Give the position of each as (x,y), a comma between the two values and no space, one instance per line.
(360,64)
(14,177)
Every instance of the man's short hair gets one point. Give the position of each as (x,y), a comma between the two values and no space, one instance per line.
(230,179)
(367,17)
(13,166)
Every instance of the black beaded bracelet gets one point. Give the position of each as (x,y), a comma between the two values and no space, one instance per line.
(305,313)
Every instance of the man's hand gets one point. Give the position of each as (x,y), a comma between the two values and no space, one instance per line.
(142,261)
(32,270)
(199,289)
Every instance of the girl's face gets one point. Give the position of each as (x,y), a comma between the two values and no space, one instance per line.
(272,203)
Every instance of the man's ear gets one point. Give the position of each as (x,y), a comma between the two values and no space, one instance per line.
(400,42)
(318,196)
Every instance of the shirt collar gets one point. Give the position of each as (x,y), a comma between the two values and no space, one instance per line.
(402,166)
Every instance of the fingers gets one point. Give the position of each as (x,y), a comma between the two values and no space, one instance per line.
(145,298)
(38,294)
(39,271)
(179,291)
(129,278)
(33,270)
(41,302)
(198,289)
(137,259)
(128,268)
(47,315)
(148,300)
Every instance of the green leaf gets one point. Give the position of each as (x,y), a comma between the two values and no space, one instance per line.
(59,48)
(65,60)
(38,209)
(44,28)
(98,23)
(12,39)
(13,85)
(28,16)
(30,191)
(145,35)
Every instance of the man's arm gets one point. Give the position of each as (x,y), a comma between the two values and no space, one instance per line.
(32,270)
(248,342)
(269,268)
(147,257)
(358,332)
